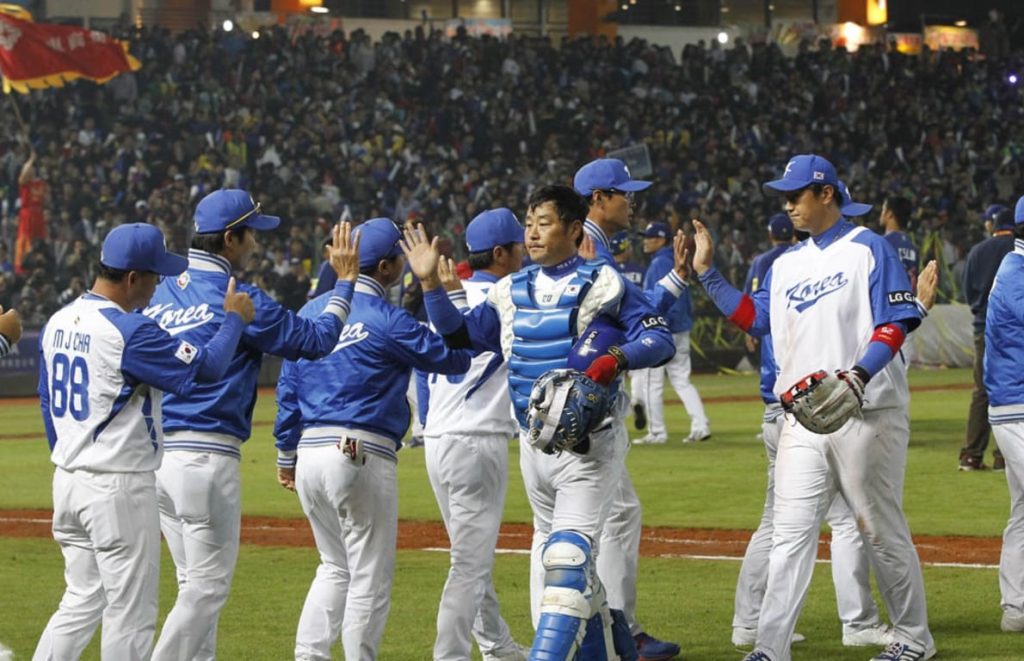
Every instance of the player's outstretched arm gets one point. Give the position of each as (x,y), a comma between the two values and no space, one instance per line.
(750,313)
(423,256)
(287,425)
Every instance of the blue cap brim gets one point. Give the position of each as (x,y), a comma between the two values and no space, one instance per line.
(170,264)
(855,209)
(634,186)
(261,222)
(783,186)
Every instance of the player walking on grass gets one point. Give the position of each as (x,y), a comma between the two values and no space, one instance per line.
(533,318)
(468,427)
(339,426)
(839,302)
(101,371)
(1004,382)
(199,484)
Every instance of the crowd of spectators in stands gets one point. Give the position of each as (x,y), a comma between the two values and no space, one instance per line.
(420,126)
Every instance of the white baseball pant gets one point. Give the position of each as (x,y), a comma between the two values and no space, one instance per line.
(200,516)
(108,528)
(857,609)
(620,551)
(569,491)
(352,507)
(809,470)
(469,476)
(651,383)
(1010,438)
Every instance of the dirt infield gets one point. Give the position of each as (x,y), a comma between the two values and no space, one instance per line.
(656,542)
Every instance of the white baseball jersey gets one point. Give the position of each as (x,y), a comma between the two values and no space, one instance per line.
(476,402)
(814,329)
(100,370)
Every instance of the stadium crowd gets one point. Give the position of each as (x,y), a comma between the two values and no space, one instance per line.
(419,126)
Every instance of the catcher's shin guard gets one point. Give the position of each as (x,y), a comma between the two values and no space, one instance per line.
(598,643)
(565,604)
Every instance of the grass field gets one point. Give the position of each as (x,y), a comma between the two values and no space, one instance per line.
(718,484)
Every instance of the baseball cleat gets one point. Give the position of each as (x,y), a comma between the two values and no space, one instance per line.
(698,435)
(880,635)
(520,653)
(650,439)
(969,463)
(649,648)
(639,417)
(757,655)
(744,637)
(1012,623)
(903,652)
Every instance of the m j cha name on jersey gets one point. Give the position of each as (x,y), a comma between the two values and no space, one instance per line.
(69,341)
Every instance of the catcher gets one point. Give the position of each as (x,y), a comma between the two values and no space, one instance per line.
(838,307)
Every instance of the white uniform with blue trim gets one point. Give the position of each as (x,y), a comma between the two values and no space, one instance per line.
(829,294)
(199,485)
(102,370)
(1004,381)
(466,435)
(342,419)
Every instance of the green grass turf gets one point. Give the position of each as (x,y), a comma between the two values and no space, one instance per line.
(717,484)
(684,600)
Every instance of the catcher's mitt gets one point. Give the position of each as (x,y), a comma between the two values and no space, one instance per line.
(565,406)
(823,402)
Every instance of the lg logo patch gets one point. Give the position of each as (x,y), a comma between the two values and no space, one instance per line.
(897,297)
(654,322)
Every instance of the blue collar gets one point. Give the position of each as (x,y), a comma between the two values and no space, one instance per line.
(562,268)
(832,234)
(367,285)
(596,233)
(201,260)
(483,276)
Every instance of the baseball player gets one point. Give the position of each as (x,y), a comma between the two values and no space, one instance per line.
(10,330)
(838,307)
(609,188)
(533,318)
(679,318)
(101,371)
(982,263)
(895,216)
(199,485)
(621,246)
(468,426)
(1004,360)
(339,426)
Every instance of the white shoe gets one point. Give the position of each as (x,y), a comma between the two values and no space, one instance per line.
(650,439)
(698,435)
(879,634)
(520,653)
(744,637)
(1012,623)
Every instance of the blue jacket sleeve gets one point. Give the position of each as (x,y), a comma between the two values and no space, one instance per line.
(649,342)
(749,312)
(656,292)
(288,422)
(44,396)
(412,343)
(481,323)
(281,332)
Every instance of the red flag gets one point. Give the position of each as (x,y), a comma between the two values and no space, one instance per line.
(40,55)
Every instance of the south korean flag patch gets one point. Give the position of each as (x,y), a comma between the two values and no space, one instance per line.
(186,353)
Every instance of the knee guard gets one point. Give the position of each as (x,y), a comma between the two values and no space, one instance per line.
(565,605)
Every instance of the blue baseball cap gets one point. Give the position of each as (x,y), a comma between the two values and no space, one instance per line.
(656,230)
(1018,212)
(780,227)
(378,240)
(494,227)
(847,206)
(140,247)
(990,212)
(619,242)
(606,174)
(230,208)
(803,171)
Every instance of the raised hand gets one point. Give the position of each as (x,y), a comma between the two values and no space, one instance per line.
(928,285)
(344,254)
(704,248)
(449,277)
(239,303)
(587,249)
(423,256)
(682,252)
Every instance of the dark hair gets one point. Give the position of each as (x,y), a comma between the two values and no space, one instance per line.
(213,242)
(901,208)
(111,274)
(483,259)
(569,205)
